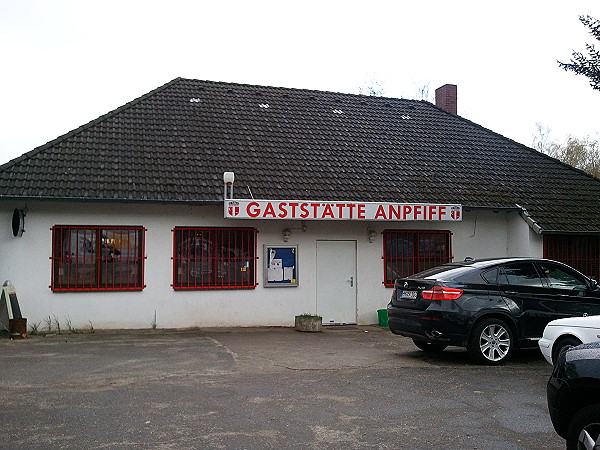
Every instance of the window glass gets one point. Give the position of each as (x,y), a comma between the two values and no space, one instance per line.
(522,274)
(409,252)
(562,278)
(97,258)
(207,258)
(491,276)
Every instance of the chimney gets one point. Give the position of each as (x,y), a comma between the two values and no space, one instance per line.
(445,98)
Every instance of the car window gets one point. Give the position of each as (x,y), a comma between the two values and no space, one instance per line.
(491,276)
(445,272)
(562,278)
(521,274)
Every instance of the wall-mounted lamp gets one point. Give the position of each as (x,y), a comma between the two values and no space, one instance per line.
(228,179)
(372,234)
(287,233)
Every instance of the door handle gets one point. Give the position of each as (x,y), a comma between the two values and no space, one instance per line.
(351,281)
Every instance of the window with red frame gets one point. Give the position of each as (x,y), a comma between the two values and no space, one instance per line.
(214,258)
(90,258)
(578,251)
(408,252)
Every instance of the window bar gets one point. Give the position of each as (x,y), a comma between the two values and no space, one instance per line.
(118,245)
(105,263)
(98,259)
(216,240)
(74,255)
(243,270)
(175,268)
(242,273)
(225,247)
(184,252)
(218,258)
(67,258)
(208,257)
(241,241)
(225,240)
(142,269)
(191,265)
(233,268)
(190,268)
(227,279)
(188,249)
(84,258)
(125,260)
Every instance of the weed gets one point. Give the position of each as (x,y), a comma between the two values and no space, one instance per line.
(48,321)
(91,327)
(57,324)
(70,326)
(35,328)
(153,323)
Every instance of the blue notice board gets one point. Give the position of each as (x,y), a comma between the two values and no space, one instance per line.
(281,265)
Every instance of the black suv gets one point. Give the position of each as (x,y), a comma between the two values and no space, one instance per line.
(488,306)
(574,396)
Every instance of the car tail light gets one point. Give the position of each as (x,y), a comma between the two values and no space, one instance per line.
(441,293)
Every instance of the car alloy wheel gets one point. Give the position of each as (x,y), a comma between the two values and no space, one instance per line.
(491,342)
(584,430)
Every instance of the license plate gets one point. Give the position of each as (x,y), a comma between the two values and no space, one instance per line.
(411,295)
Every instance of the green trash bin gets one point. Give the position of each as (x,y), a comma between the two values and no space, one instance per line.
(383,317)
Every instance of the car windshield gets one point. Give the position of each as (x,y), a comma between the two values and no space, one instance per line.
(443,273)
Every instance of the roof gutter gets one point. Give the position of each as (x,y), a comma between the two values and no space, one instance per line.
(110,200)
(493,208)
(584,233)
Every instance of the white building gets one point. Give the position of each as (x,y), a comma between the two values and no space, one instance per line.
(124,218)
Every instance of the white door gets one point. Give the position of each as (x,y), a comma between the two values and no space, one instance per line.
(336,281)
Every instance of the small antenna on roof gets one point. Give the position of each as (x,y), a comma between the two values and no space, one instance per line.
(250,192)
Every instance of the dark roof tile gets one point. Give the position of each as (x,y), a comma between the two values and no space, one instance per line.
(174,143)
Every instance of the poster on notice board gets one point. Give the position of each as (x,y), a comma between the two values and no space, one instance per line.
(281,265)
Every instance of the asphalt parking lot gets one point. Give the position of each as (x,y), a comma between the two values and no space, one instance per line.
(246,388)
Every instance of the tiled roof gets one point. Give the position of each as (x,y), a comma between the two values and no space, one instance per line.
(174,143)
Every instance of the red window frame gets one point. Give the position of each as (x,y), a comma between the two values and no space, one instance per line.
(214,258)
(579,251)
(97,258)
(410,251)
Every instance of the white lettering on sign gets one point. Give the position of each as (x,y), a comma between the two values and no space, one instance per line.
(319,210)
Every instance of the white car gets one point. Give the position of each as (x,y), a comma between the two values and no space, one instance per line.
(562,334)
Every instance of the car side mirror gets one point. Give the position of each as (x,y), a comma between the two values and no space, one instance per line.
(593,284)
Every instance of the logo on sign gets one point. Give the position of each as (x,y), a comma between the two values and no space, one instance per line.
(233,208)
(455,212)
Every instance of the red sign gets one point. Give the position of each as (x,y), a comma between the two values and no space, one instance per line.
(319,210)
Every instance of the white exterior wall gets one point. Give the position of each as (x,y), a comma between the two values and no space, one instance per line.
(523,241)
(26,262)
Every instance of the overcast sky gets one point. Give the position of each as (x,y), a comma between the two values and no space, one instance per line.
(65,63)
